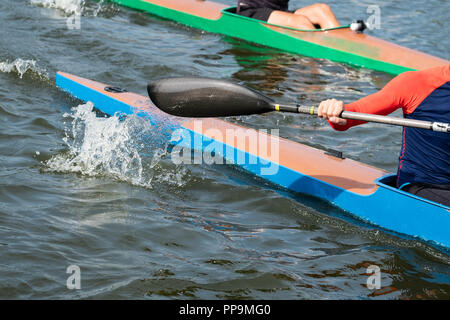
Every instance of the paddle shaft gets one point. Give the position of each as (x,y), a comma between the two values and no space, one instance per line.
(204,98)
(435,126)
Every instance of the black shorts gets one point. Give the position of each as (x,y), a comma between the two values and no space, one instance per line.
(439,194)
(256,13)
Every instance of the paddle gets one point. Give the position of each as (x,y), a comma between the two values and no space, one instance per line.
(203,97)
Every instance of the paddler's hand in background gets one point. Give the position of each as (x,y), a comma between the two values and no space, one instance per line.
(331,109)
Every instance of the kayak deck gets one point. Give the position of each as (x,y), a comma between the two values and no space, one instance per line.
(362,190)
(204,9)
(340,45)
(346,173)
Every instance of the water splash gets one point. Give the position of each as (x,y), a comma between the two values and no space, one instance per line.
(102,8)
(125,148)
(21,67)
(70,7)
(76,7)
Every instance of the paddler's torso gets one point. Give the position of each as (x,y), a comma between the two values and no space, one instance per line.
(423,95)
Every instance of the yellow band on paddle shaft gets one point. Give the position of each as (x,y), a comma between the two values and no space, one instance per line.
(311,110)
(277,107)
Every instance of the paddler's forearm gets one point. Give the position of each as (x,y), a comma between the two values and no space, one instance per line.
(382,103)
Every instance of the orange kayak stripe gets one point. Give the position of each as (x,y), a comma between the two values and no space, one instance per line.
(347,174)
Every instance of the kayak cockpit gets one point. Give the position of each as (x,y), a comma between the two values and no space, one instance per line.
(390,181)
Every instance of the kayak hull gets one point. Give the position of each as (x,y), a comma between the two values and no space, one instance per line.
(340,45)
(359,189)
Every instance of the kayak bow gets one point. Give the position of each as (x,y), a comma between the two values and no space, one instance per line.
(364,191)
(338,44)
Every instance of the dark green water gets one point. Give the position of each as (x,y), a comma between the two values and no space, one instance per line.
(153,230)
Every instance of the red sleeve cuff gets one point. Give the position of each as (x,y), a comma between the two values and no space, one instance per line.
(350,123)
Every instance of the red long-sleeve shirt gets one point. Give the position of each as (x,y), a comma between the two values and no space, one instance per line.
(422,95)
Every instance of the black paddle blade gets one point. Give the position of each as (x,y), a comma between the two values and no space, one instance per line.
(203,97)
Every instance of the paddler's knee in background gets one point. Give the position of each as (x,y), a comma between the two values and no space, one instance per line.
(317,10)
(291,20)
(311,17)
(319,14)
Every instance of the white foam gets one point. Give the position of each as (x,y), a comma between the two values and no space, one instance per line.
(73,7)
(126,149)
(21,67)
(70,7)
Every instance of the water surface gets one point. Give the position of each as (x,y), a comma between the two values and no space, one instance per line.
(101,193)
